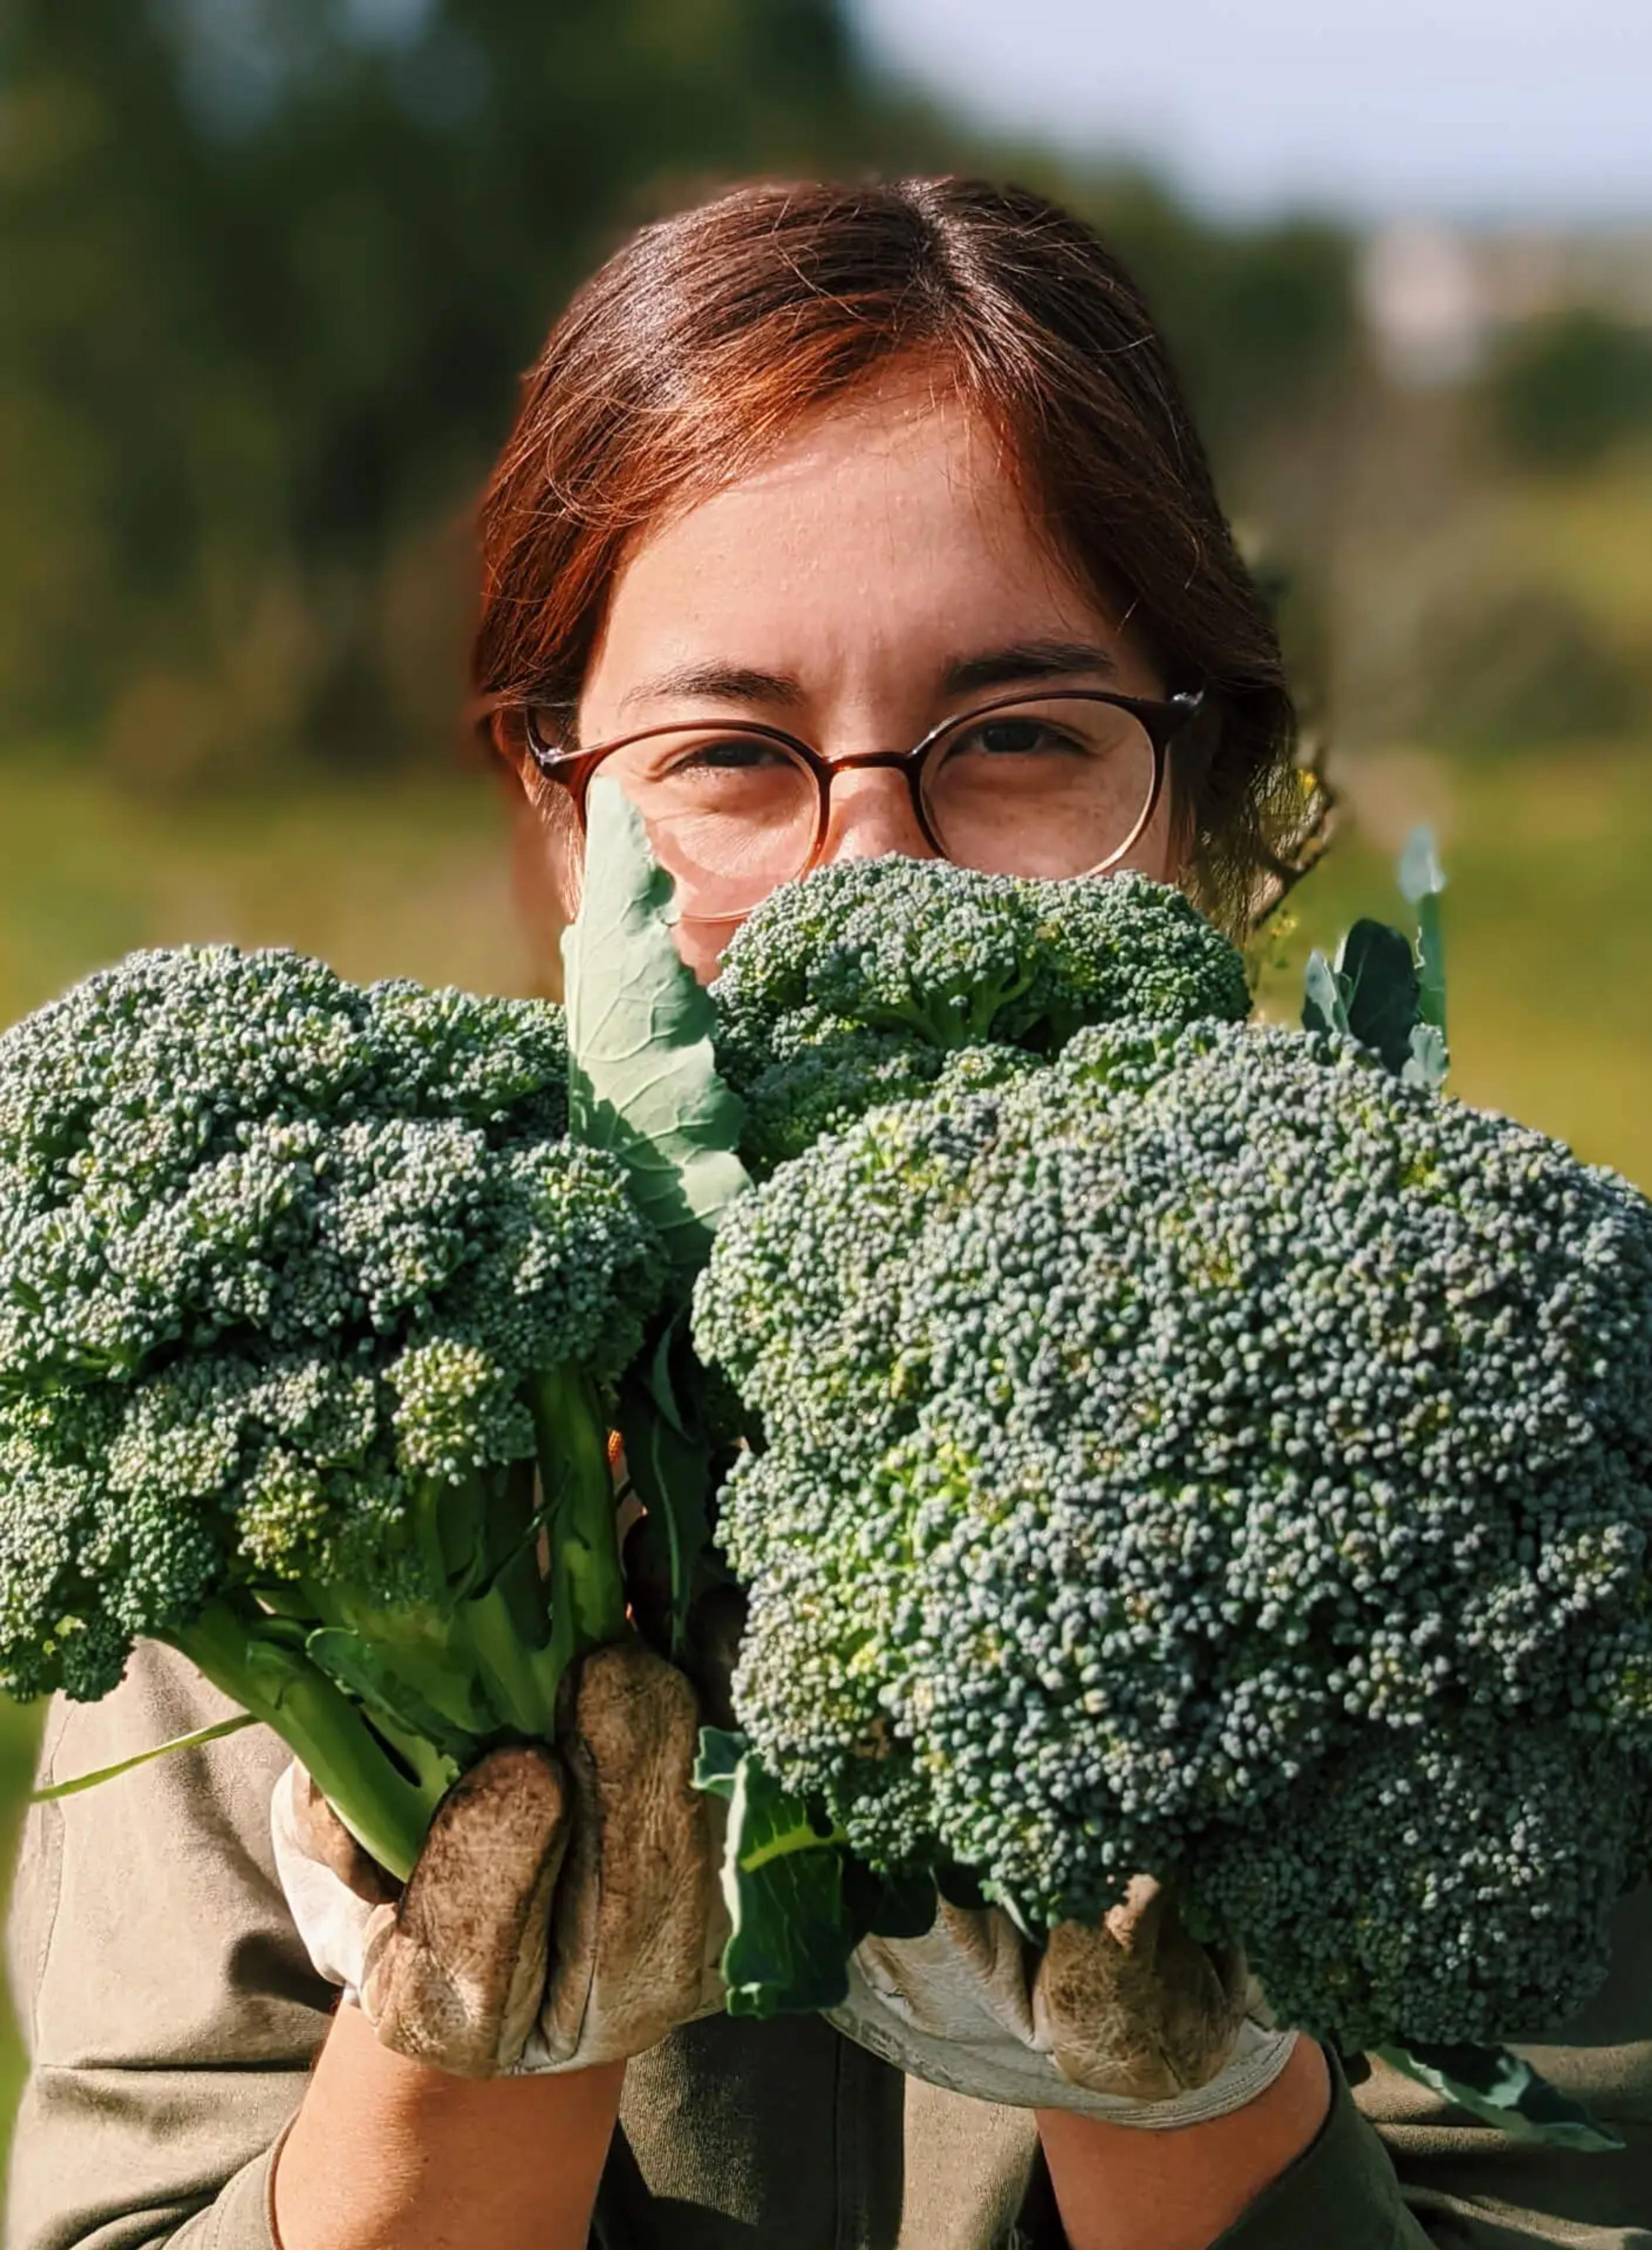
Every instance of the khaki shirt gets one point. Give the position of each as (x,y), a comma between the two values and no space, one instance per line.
(170,2013)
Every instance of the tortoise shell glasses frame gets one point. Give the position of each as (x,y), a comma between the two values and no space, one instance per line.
(1161,721)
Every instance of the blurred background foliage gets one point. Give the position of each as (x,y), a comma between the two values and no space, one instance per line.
(269,270)
(270,266)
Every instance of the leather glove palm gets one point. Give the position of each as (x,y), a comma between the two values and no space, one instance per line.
(564,1910)
(1132,2021)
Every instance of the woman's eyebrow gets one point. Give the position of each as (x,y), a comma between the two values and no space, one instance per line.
(731,683)
(1027,659)
(965,675)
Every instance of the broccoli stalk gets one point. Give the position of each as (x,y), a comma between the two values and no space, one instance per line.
(386,1702)
(242,1651)
(586,1586)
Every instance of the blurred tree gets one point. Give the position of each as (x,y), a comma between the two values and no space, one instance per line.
(269,267)
(1566,390)
(1264,320)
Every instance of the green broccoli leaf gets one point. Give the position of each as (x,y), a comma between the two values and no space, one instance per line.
(787,1952)
(669,1465)
(362,1671)
(887,1905)
(196,1740)
(1377,975)
(1501,2088)
(1421,875)
(643,1082)
(1324,1003)
(717,1762)
(1421,881)
(959,1887)
(1383,991)
(1429,1060)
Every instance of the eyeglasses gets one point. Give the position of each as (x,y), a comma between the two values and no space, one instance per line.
(1059,784)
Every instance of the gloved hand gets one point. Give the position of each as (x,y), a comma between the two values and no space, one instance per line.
(565,1910)
(1133,2022)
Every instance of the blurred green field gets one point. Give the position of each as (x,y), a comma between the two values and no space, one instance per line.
(402,876)
(1549,928)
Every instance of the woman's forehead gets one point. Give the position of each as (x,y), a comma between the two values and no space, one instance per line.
(892,520)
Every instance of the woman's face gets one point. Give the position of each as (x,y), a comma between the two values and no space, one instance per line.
(877,576)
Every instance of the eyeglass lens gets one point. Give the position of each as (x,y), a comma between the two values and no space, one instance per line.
(1041,788)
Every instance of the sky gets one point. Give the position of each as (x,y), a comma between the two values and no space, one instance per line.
(1535,111)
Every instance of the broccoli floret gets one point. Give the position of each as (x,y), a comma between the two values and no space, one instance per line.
(824,1083)
(851,987)
(300,1287)
(821,1086)
(1473,1846)
(1155,1440)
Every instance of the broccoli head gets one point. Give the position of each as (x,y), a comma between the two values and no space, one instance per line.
(301,1287)
(1182,1429)
(852,986)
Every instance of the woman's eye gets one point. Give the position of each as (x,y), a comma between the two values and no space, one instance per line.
(1019,738)
(732,755)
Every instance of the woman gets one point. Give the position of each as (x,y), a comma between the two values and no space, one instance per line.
(802,479)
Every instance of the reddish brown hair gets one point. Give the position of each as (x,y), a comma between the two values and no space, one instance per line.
(707,337)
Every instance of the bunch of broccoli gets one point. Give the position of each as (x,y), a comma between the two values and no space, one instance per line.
(310,1318)
(1185,1447)
(1168,1444)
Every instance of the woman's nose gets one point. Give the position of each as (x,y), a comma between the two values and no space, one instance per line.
(872,817)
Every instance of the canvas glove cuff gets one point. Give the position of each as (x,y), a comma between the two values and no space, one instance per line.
(564,1910)
(1133,2022)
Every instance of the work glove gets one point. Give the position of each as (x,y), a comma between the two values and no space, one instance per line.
(1131,2021)
(565,1908)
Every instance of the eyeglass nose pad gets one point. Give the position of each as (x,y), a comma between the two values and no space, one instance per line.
(873,812)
